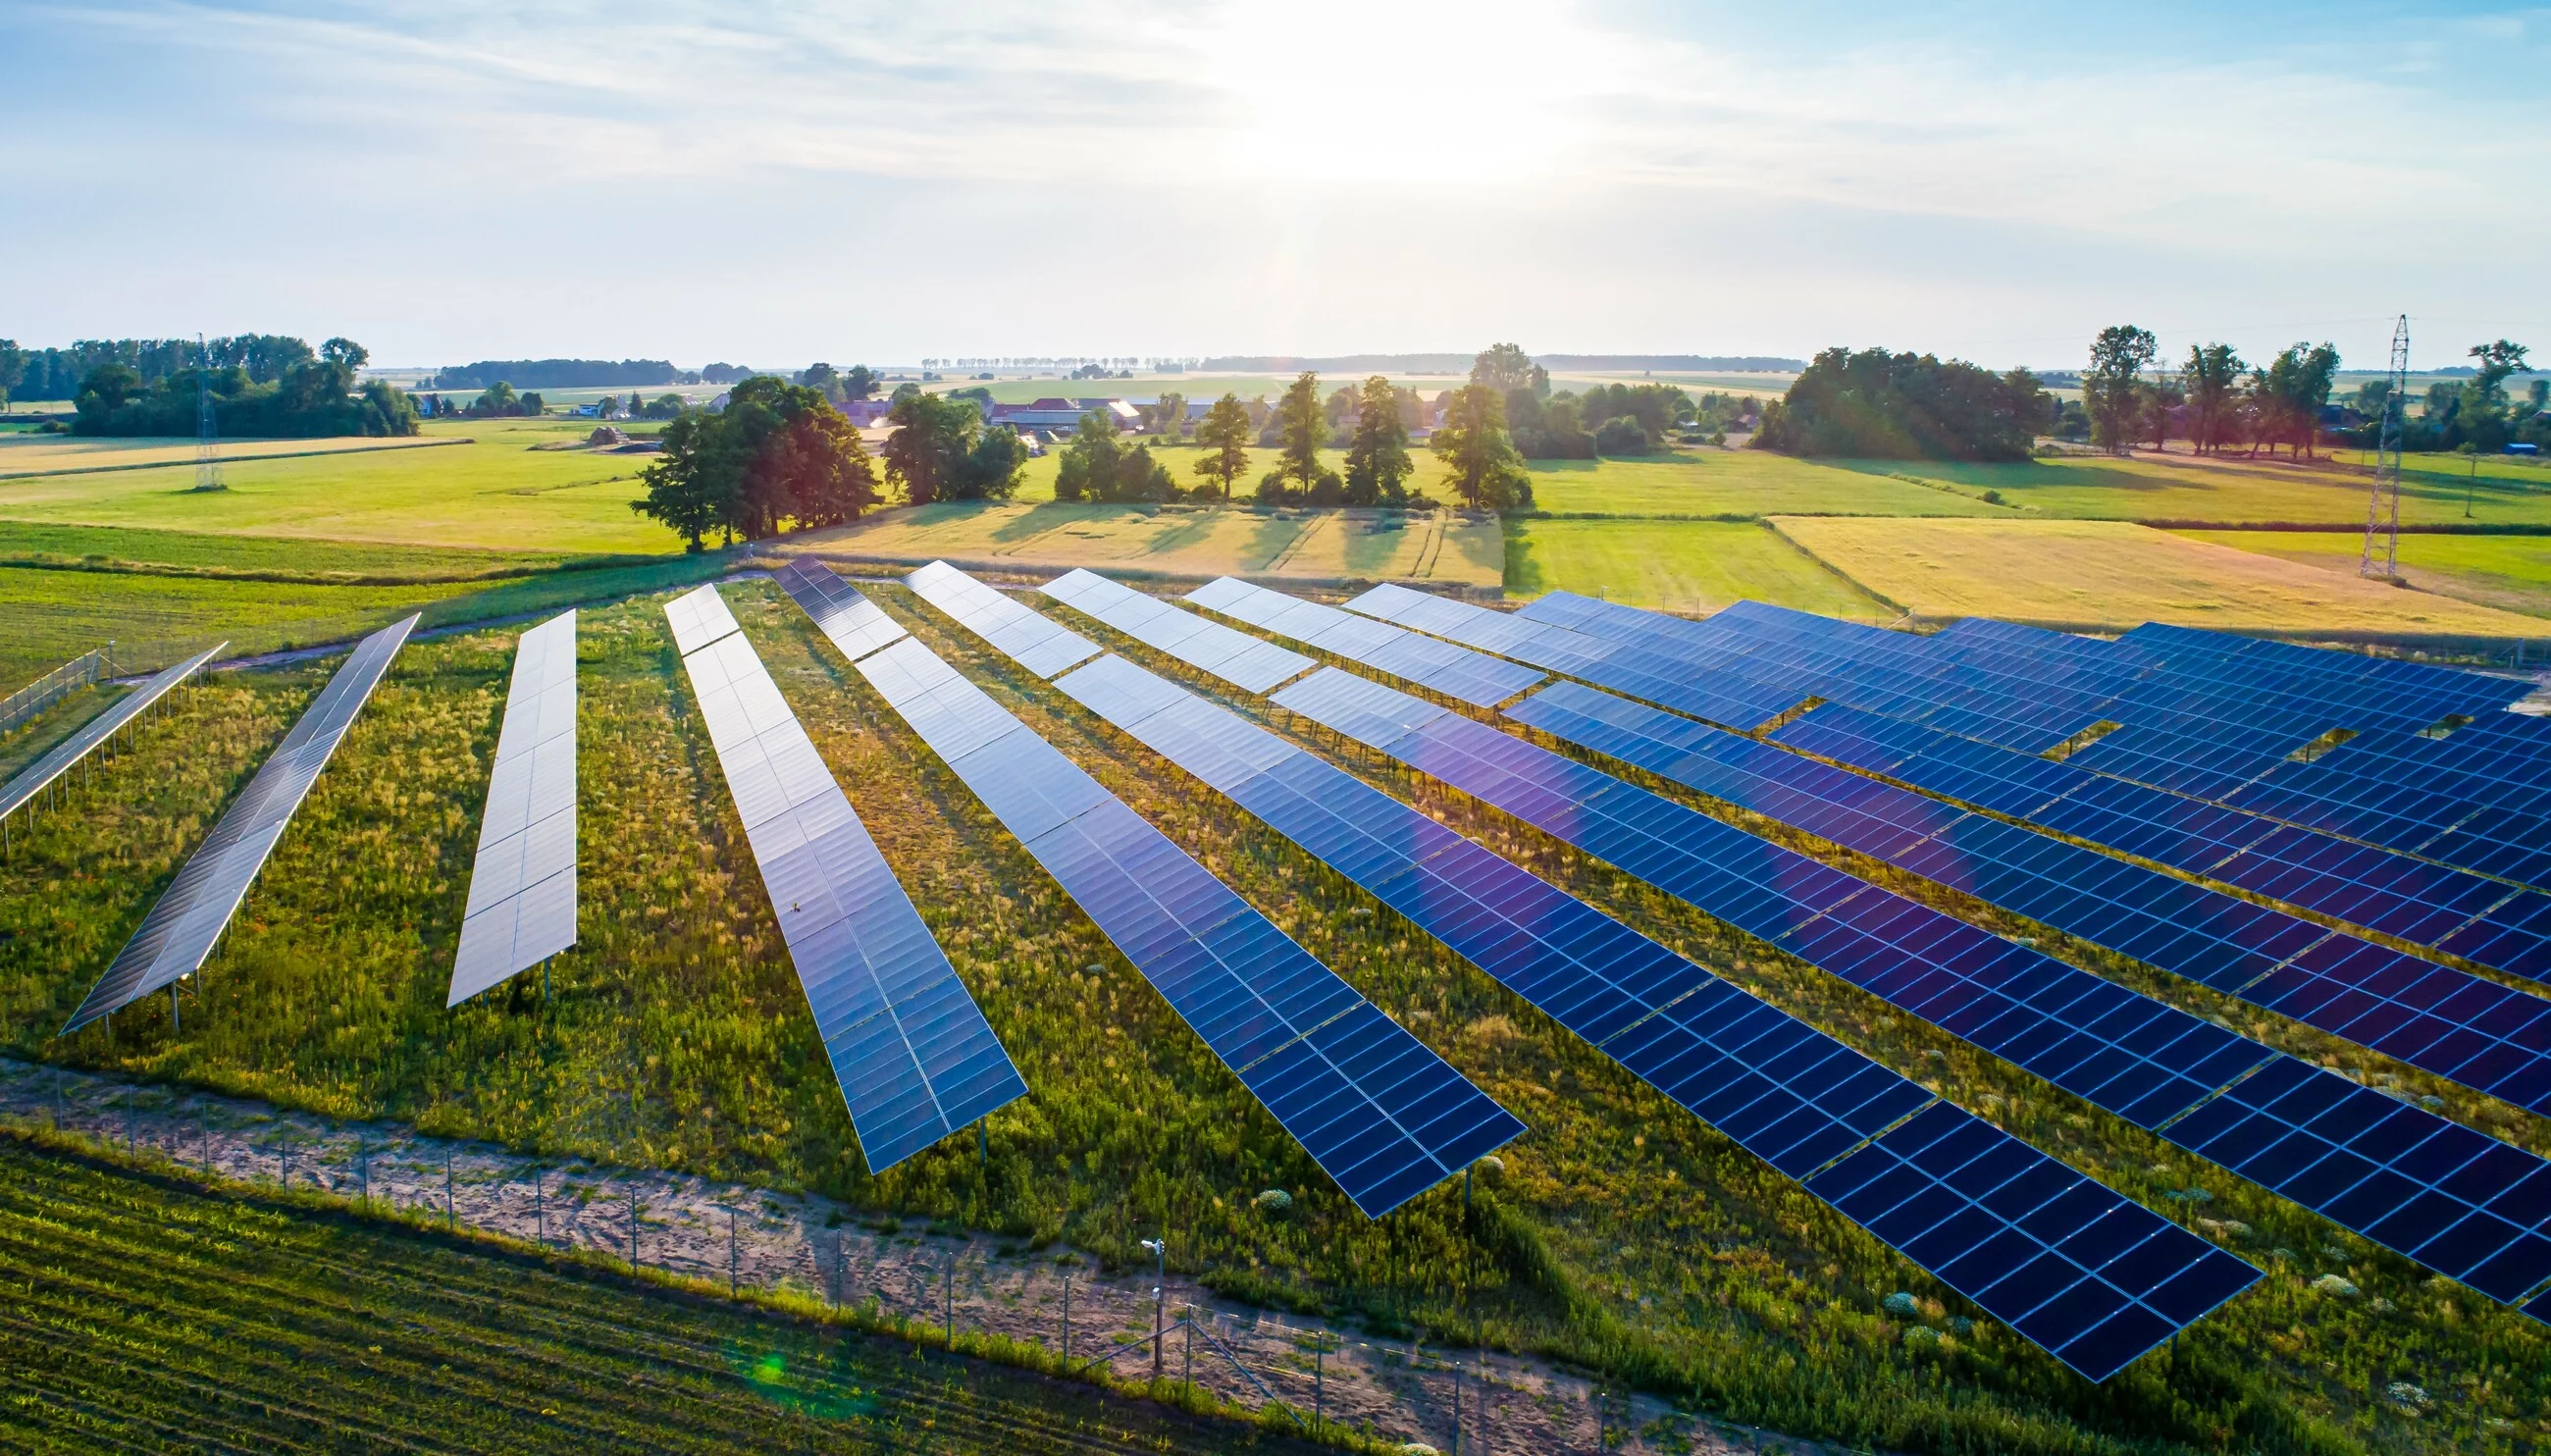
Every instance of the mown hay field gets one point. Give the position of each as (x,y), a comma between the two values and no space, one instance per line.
(1689,567)
(1437,545)
(2509,572)
(495,493)
(147,1312)
(1622,1233)
(2109,576)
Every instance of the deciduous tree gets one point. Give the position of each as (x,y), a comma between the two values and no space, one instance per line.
(1225,433)
(1506,366)
(1377,462)
(777,454)
(2212,379)
(1302,427)
(1478,459)
(2111,386)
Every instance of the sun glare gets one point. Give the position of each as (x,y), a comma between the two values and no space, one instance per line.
(1373,90)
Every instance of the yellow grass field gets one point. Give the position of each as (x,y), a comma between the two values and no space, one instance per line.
(1309,545)
(2107,576)
(2511,573)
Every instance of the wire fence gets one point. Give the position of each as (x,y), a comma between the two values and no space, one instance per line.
(80,672)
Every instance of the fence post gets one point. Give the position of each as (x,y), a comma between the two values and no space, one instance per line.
(540,1208)
(730,1253)
(1187,1376)
(947,1289)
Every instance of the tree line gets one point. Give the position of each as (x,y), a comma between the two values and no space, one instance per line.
(59,374)
(311,397)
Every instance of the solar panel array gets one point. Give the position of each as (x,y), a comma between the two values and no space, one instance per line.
(1201,643)
(2490,922)
(522,904)
(2461,1202)
(1035,643)
(912,1052)
(183,924)
(1374,1106)
(2209,715)
(38,775)
(851,622)
(2094,1278)
(2489,1037)
(1467,676)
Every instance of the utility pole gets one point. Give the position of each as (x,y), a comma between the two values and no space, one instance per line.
(2383,507)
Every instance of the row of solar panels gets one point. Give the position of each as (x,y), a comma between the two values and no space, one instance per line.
(2488,921)
(2089,1274)
(2478,799)
(2410,1181)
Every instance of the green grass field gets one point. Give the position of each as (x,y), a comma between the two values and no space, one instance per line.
(144,1312)
(1691,567)
(497,493)
(2182,489)
(1624,1233)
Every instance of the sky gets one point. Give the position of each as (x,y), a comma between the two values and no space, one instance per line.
(773,184)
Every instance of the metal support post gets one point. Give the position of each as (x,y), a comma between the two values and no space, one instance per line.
(1066,1319)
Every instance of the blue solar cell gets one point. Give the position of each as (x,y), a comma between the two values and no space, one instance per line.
(2086,1034)
(1784,1090)
(1378,1111)
(1038,645)
(1455,672)
(1237,657)
(910,1049)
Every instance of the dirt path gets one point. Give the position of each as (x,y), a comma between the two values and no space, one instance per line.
(763,1240)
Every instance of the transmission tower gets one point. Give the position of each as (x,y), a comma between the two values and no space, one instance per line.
(208,459)
(2382,509)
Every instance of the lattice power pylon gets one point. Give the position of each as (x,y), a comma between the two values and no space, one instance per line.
(2382,509)
(208,459)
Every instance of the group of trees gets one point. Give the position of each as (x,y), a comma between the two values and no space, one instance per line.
(1874,403)
(2482,414)
(2211,402)
(841,386)
(560,373)
(60,374)
(777,454)
(310,397)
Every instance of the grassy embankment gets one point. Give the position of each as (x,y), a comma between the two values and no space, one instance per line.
(1625,1233)
(146,1311)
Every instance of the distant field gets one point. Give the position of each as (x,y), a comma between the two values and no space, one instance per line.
(2512,572)
(1741,483)
(1312,545)
(25,455)
(1691,567)
(2109,576)
(497,493)
(2454,468)
(2232,491)
(141,1307)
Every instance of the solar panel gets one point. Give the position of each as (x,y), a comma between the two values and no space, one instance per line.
(1380,1112)
(1457,672)
(1811,1107)
(183,924)
(1201,643)
(1038,645)
(38,775)
(522,905)
(2150,1063)
(854,624)
(2486,1036)
(909,1047)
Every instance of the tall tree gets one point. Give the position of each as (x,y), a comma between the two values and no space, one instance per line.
(1378,464)
(2111,387)
(1506,366)
(1169,415)
(2484,412)
(13,367)
(1225,433)
(926,454)
(2212,379)
(1479,458)
(2286,397)
(1301,427)
(777,454)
